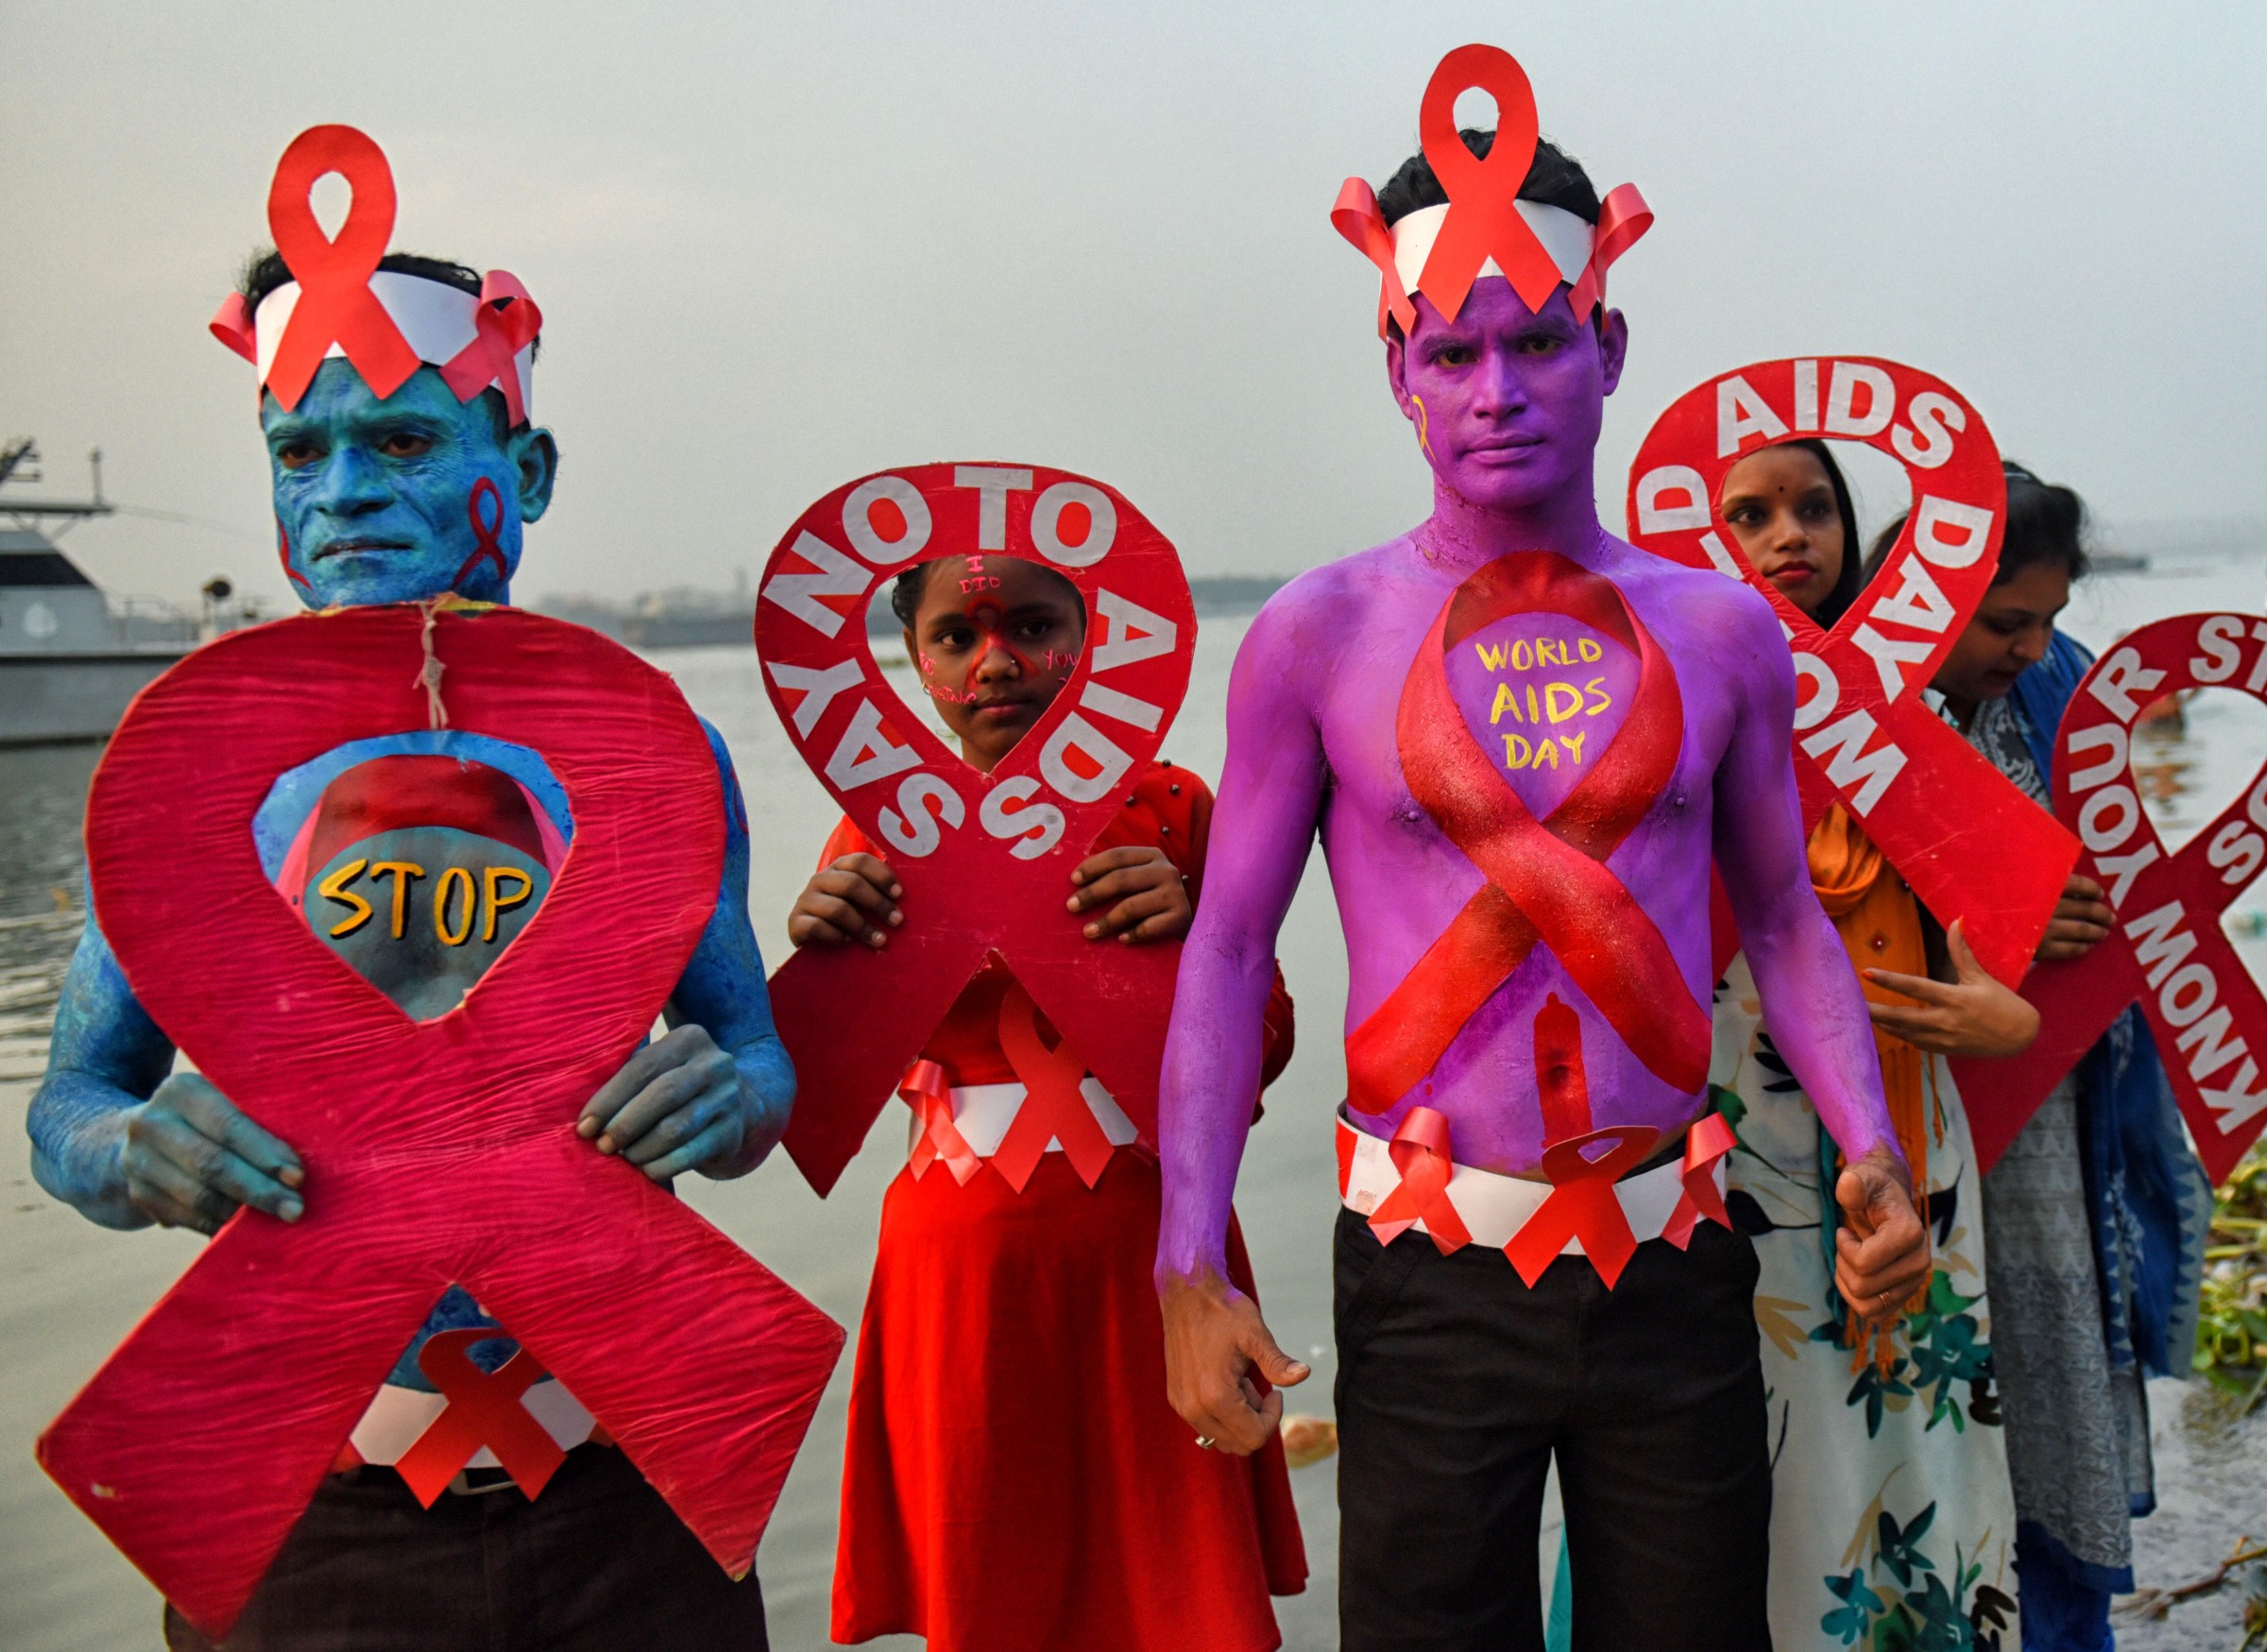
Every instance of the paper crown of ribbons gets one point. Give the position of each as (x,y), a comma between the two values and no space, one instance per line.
(1485,229)
(385,322)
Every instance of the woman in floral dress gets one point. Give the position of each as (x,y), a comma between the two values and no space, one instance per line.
(1892,1519)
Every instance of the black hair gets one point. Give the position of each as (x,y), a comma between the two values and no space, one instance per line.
(1555,179)
(2046,525)
(905,592)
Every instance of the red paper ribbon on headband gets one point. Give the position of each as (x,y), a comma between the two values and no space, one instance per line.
(1547,880)
(1483,220)
(508,322)
(1623,220)
(335,304)
(1356,217)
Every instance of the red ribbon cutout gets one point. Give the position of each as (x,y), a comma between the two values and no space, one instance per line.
(2167,949)
(507,321)
(1583,1203)
(1054,1108)
(1971,846)
(986,873)
(1483,220)
(442,1151)
(1623,220)
(1547,880)
(1707,1142)
(335,303)
(484,1409)
(1356,217)
(1421,1153)
(232,325)
(489,536)
(926,1093)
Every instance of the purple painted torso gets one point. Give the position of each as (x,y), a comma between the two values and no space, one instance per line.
(1400,881)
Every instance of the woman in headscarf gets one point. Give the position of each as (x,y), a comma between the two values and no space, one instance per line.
(1892,1522)
(2097,1211)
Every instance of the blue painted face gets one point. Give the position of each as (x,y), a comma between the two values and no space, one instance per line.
(401,500)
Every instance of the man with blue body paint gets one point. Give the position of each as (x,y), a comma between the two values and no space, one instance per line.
(419,857)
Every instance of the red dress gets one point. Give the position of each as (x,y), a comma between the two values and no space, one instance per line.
(1015,1478)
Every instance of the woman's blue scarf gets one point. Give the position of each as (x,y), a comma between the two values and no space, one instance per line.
(2150,1202)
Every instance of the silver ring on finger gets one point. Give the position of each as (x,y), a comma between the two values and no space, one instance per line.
(1205,1442)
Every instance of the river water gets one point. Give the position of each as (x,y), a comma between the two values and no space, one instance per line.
(69,1291)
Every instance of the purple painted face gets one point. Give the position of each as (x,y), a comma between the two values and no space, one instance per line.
(1507,403)
(1543,696)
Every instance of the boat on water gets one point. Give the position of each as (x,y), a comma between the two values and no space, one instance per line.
(72,657)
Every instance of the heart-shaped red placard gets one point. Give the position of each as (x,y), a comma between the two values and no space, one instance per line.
(984,859)
(1972,845)
(2167,949)
(437,1153)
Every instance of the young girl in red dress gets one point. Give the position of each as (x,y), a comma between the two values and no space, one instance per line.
(1015,1477)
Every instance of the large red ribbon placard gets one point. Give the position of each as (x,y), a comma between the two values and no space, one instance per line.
(2167,950)
(984,859)
(1973,848)
(437,1153)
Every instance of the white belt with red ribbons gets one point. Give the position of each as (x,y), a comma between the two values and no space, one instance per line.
(1411,1181)
(1053,1106)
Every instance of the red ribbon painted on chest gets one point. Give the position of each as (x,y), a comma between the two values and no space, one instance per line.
(439,1153)
(984,859)
(1971,846)
(1547,880)
(2167,951)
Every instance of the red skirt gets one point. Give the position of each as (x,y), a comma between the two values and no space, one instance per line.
(1015,1477)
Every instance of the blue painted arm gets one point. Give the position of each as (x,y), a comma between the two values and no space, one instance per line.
(105,1059)
(723,991)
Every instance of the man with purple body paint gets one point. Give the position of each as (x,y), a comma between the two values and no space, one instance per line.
(1582,953)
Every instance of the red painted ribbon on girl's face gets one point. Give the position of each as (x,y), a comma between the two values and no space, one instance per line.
(335,304)
(927,1091)
(488,535)
(1421,1153)
(507,321)
(484,1409)
(1053,1108)
(1356,217)
(1547,880)
(1483,220)
(437,1153)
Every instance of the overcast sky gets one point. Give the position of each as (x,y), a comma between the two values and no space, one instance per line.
(779,247)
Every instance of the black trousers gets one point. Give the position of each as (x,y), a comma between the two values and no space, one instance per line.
(597,1563)
(1457,1385)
